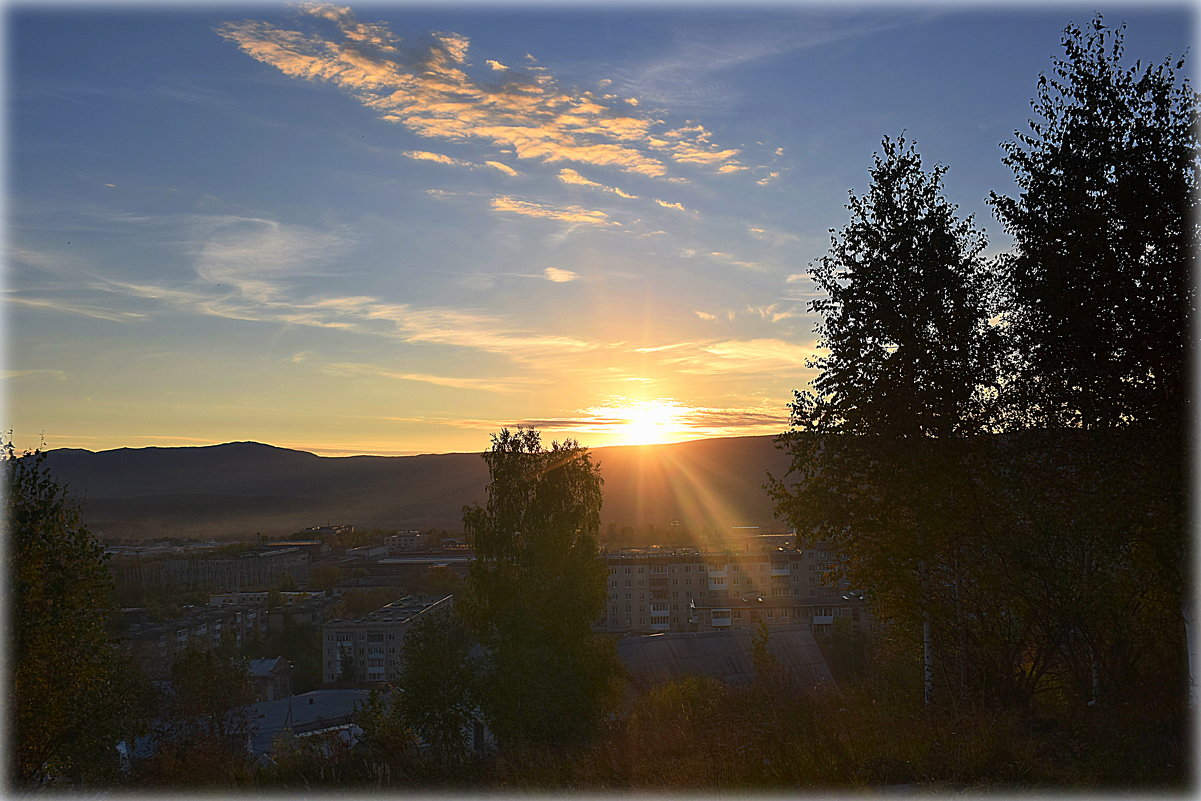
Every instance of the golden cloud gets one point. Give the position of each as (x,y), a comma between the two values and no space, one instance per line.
(428,90)
(505,168)
(573,214)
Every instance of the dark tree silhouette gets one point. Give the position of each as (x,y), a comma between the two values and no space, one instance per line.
(911,363)
(1099,289)
(72,694)
(905,319)
(535,588)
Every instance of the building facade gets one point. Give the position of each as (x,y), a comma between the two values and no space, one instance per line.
(367,649)
(651,591)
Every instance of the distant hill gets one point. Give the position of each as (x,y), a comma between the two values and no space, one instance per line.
(241,488)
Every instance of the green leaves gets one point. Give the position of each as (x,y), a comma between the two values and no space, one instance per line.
(535,588)
(65,668)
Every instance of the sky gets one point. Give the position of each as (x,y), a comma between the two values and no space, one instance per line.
(390,229)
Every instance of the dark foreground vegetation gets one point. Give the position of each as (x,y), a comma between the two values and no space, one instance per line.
(996,450)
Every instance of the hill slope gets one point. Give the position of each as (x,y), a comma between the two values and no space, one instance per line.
(240,488)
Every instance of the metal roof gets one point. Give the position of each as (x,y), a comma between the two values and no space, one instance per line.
(301,713)
(722,655)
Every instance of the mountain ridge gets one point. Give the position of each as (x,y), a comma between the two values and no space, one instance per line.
(243,488)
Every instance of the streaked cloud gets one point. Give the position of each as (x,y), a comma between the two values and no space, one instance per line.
(570,214)
(12,375)
(573,178)
(425,155)
(75,308)
(505,168)
(667,205)
(559,276)
(507,384)
(745,357)
(429,90)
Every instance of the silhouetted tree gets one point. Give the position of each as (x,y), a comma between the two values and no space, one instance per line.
(536,586)
(205,721)
(1098,297)
(1098,287)
(911,362)
(436,684)
(72,693)
(905,317)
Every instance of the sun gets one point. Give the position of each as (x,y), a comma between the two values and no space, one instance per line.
(645,422)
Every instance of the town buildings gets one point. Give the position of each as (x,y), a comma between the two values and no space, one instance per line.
(655,591)
(367,649)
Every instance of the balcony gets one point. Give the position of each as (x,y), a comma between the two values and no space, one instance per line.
(822,619)
(718,572)
(780,570)
(659,613)
(720,617)
(660,625)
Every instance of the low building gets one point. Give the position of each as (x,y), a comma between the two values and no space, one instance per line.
(272,678)
(154,645)
(367,649)
(653,591)
(258,597)
(407,541)
(306,715)
(724,656)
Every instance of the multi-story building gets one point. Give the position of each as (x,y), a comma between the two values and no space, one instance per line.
(155,645)
(260,568)
(407,541)
(651,591)
(367,649)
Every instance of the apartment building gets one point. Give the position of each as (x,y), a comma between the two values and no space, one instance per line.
(259,568)
(155,645)
(367,649)
(651,591)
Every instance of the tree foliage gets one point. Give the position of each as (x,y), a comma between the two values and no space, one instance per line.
(205,721)
(436,684)
(535,588)
(1046,557)
(1099,288)
(905,317)
(72,694)
(910,363)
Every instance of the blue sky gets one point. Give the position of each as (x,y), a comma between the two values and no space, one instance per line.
(379,229)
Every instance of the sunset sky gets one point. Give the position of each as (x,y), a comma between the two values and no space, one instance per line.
(389,230)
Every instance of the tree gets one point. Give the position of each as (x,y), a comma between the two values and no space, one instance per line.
(64,667)
(1098,289)
(536,586)
(905,320)
(437,696)
(1099,292)
(204,722)
(910,364)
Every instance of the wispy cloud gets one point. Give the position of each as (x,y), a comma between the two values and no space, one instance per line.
(748,356)
(425,155)
(78,309)
(559,276)
(570,214)
(668,205)
(507,384)
(12,375)
(505,168)
(429,90)
(570,176)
